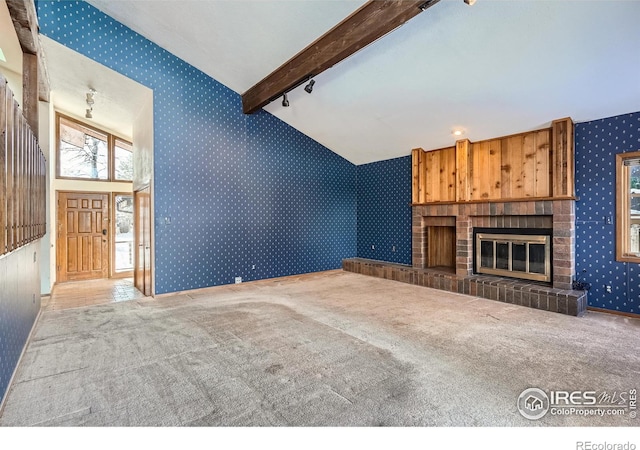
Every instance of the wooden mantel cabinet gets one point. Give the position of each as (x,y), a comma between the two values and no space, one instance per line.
(526,166)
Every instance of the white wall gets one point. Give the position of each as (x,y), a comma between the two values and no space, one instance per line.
(143,146)
(46,122)
(14,81)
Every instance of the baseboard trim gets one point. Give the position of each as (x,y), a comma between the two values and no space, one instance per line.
(204,290)
(616,313)
(15,370)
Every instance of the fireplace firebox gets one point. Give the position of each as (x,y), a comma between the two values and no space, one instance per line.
(513,252)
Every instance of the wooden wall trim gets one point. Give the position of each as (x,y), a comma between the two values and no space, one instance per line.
(463,150)
(4,110)
(612,312)
(416,154)
(506,200)
(30,90)
(25,21)
(622,222)
(563,157)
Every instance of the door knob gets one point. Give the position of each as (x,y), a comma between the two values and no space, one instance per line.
(104,231)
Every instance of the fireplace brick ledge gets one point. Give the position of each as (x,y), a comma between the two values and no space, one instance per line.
(506,290)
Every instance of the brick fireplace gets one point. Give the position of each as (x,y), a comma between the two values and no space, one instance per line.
(520,182)
(461,218)
(449,227)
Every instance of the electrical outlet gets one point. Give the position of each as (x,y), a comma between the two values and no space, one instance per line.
(238,280)
(167,220)
(608,289)
(607,220)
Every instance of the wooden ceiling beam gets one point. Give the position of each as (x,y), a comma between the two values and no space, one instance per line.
(369,23)
(25,21)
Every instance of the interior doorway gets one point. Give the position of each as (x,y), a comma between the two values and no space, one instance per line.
(142,217)
(82,236)
(127,118)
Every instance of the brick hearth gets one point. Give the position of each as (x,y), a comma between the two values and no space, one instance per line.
(507,290)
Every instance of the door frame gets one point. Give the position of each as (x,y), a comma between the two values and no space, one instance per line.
(59,277)
(112,230)
(143,267)
(143,275)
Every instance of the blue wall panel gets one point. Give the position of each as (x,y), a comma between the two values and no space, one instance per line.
(384,211)
(597,143)
(241,191)
(303,202)
(19,306)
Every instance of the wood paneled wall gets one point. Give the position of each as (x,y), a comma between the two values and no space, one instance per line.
(533,165)
(22,177)
(434,175)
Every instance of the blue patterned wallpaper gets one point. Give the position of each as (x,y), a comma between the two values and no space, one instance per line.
(249,190)
(247,196)
(19,305)
(384,211)
(597,143)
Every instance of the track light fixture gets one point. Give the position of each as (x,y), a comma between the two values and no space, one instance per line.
(426,5)
(90,102)
(285,101)
(309,87)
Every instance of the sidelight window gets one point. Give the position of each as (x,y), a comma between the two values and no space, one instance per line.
(628,207)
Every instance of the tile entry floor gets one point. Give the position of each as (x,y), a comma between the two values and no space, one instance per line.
(75,294)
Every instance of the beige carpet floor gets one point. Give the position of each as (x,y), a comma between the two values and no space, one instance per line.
(328,349)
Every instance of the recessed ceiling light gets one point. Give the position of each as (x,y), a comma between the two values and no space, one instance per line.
(2,57)
(458,132)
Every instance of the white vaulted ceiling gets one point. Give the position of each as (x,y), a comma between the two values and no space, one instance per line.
(118,99)
(496,68)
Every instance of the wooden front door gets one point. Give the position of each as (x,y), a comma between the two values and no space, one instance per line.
(83,236)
